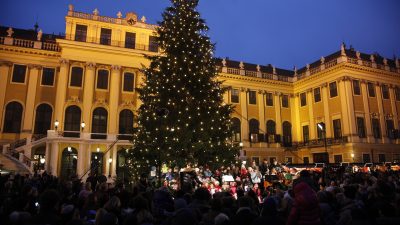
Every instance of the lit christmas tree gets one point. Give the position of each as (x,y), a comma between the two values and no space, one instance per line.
(183,119)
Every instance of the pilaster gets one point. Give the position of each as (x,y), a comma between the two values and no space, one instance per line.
(114,99)
(381,113)
(327,117)
(47,157)
(30,99)
(245,119)
(353,137)
(311,118)
(54,162)
(62,83)
(88,94)
(367,113)
(345,121)
(114,162)
(278,105)
(81,159)
(4,72)
(295,114)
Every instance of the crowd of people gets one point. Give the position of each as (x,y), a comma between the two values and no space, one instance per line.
(237,195)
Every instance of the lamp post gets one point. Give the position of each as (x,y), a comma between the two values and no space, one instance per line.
(56,123)
(321,126)
(161,112)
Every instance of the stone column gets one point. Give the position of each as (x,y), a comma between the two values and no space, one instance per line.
(381,113)
(30,99)
(327,117)
(311,118)
(261,112)
(81,160)
(47,157)
(114,162)
(278,105)
(393,106)
(62,83)
(295,114)
(88,94)
(244,120)
(353,137)
(53,164)
(367,113)
(4,72)
(114,99)
(345,121)
(106,158)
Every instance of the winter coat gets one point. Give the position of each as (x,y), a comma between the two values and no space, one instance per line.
(305,209)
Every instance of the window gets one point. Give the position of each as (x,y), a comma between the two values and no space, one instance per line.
(317,94)
(376,128)
(371,89)
(126,122)
(366,158)
(235,96)
(72,121)
(252,97)
(289,160)
(153,44)
(99,123)
(105,36)
(76,77)
(333,89)
(12,118)
(48,76)
(236,129)
(285,101)
(320,130)
(337,129)
(381,158)
(254,126)
(129,79)
(303,99)
(102,79)
(306,136)
(130,40)
(287,134)
(306,160)
(390,129)
(338,158)
(385,91)
(269,99)
(397,92)
(43,119)
(271,130)
(361,127)
(80,33)
(19,73)
(356,87)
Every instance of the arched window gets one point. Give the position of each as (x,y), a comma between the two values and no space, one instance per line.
(287,134)
(236,129)
(69,162)
(43,119)
(12,118)
(254,127)
(271,131)
(99,123)
(72,121)
(126,122)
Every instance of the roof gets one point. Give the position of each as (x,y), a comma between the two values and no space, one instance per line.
(29,34)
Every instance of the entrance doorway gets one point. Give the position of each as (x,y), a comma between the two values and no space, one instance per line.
(321,157)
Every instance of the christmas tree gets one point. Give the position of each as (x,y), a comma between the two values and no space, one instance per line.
(183,119)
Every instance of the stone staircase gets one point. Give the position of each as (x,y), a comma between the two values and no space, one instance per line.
(10,164)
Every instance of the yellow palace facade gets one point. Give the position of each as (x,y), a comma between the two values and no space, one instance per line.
(68,103)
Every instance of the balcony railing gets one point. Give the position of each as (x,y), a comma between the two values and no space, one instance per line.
(315,143)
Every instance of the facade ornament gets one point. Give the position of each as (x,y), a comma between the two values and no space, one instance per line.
(39,35)
(273,70)
(258,68)
(308,67)
(96,12)
(322,60)
(64,61)
(324,85)
(343,50)
(261,92)
(70,7)
(358,54)
(244,89)
(241,65)
(224,62)
(115,67)
(74,98)
(10,32)
(372,58)
(143,19)
(90,65)
(363,81)
(277,93)
(35,66)
(6,63)
(119,15)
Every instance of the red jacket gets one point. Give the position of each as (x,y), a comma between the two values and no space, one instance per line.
(305,209)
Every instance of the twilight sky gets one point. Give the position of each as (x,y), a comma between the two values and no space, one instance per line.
(281,32)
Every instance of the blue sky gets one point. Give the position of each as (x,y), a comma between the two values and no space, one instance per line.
(281,32)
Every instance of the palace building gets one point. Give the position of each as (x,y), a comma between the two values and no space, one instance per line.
(68,103)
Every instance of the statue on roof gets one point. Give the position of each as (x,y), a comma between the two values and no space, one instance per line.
(70,7)
(96,12)
(39,35)
(119,15)
(322,60)
(143,19)
(224,62)
(258,68)
(10,32)
(241,65)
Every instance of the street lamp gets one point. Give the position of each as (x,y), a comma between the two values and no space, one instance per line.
(352,156)
(241,144)
(56,123)
(322,127)
(83,125)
